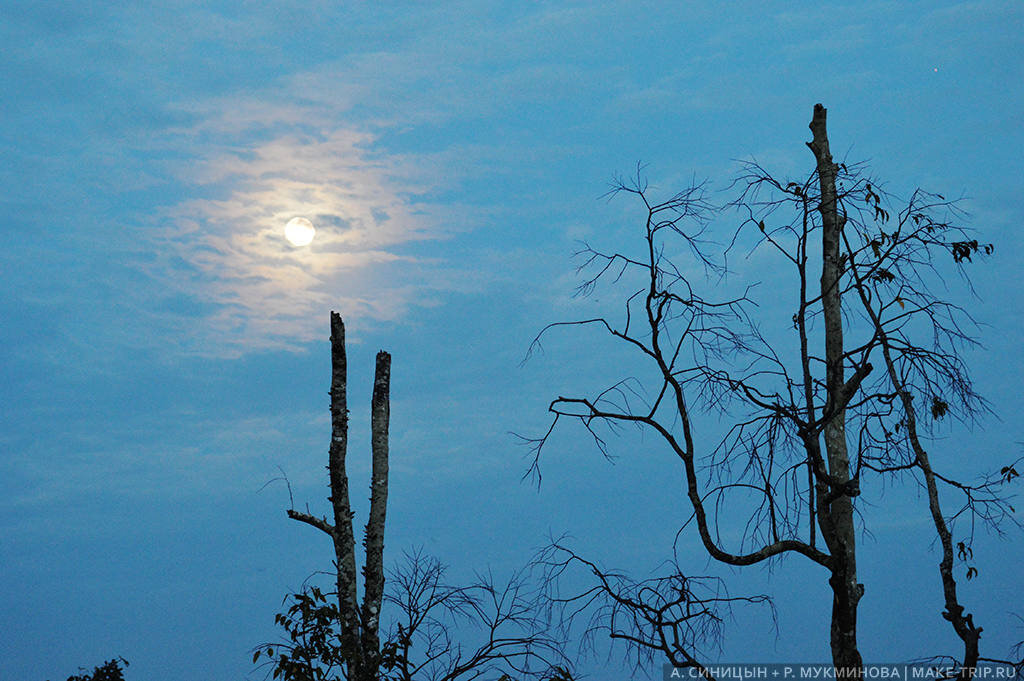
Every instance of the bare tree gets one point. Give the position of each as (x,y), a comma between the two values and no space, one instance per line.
(359,639)
(331,636)
(437,631)
(676,617)
(812,419)
(453,633)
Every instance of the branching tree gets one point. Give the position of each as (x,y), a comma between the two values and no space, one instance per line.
(500,623)
(330,636)
(874,361)
(676,617)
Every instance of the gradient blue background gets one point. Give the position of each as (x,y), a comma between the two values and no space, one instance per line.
(164,350)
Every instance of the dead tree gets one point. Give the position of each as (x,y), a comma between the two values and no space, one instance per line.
(813,421)
(432,623)
(359,644)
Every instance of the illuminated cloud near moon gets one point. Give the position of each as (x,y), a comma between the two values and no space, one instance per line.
(261,291)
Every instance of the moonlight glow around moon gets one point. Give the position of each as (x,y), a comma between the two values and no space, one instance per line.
(299,232)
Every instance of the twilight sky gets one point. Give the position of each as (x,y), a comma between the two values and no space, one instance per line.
(164,350)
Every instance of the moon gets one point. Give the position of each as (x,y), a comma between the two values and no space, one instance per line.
(299,232)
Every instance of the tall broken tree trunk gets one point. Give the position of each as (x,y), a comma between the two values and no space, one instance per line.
(837,523)
(373,573)
(358,627)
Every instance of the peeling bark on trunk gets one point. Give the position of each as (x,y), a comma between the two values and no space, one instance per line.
(374,571)
(344,538)
(359,627)
(846,591)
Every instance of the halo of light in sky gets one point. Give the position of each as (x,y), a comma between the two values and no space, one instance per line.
(299,232)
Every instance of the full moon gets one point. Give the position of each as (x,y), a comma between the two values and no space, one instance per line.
(299,232)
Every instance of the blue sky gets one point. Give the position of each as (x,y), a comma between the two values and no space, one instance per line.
(165,350)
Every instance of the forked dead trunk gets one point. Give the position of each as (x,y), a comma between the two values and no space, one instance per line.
(358,627)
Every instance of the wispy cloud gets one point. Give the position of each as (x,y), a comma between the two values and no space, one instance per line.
(260,165)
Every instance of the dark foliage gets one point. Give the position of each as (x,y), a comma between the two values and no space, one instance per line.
(437,632)
(110,671)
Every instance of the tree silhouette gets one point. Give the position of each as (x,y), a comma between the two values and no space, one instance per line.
(330,636)
(873,360)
